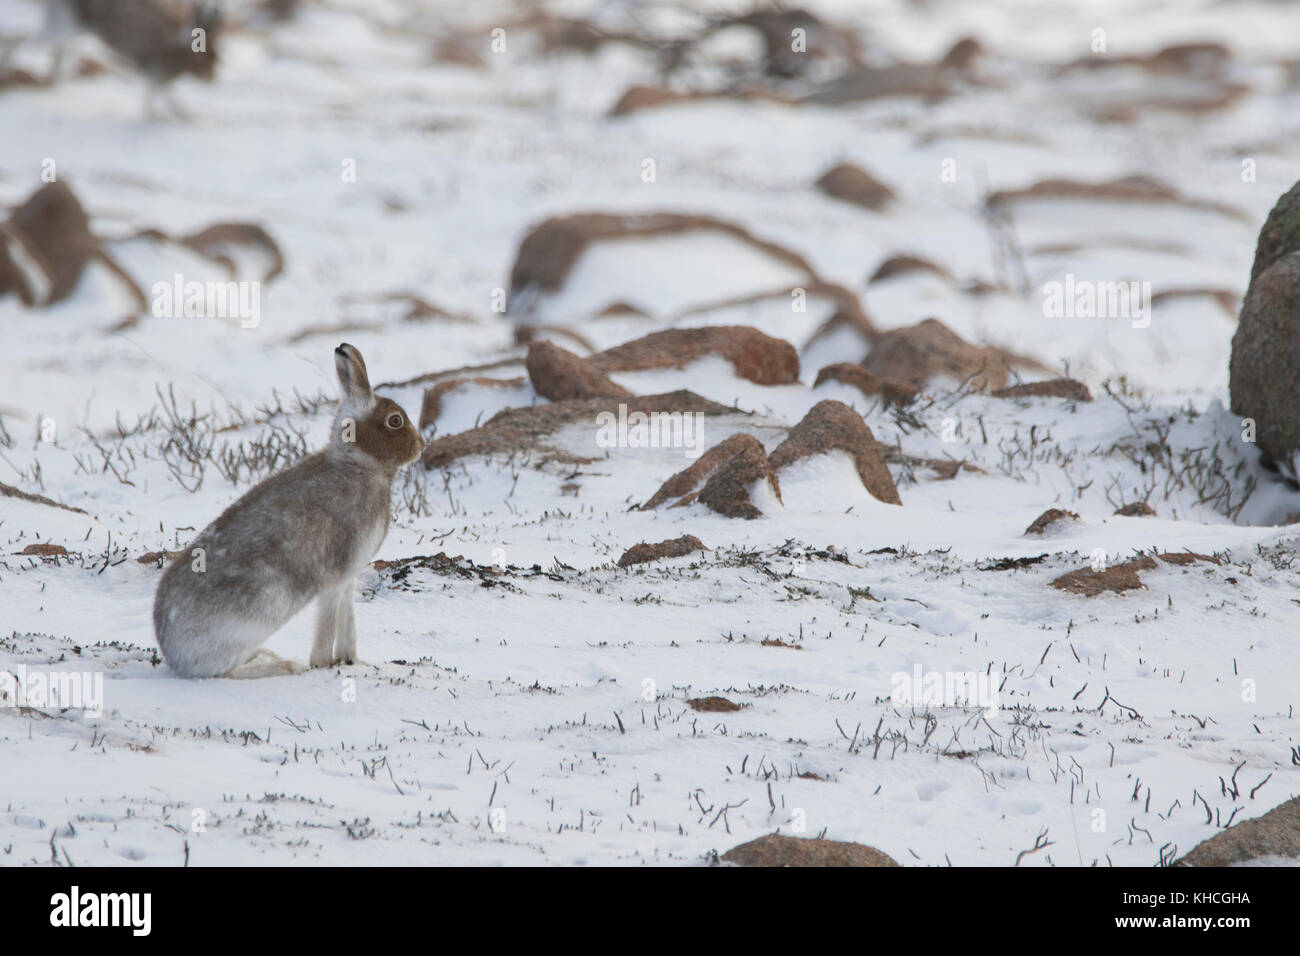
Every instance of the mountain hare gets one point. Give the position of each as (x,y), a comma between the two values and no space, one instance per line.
(301,534)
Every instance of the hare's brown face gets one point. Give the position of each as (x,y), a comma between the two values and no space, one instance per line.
(387,435)
(379,427)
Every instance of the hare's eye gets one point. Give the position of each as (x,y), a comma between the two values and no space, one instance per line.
(395,421)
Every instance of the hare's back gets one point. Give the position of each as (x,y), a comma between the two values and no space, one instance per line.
(287,539)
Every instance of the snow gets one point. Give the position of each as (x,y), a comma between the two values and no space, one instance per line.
(527,705)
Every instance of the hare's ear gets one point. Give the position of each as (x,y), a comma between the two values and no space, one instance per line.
(354,383)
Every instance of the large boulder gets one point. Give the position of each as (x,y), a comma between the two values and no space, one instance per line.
(1262,379)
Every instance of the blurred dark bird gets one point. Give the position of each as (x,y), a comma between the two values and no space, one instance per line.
(158,36)
(162,39)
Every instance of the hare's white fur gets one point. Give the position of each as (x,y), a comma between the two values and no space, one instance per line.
(301,535)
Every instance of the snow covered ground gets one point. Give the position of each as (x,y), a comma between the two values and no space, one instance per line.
(524,700)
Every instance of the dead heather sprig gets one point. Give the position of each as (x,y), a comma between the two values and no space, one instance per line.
(188,441)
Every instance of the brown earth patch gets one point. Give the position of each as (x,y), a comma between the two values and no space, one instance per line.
(1131,189)
(1186,557)
(643,97)
(672,548)
(914,354)
(1123,577)
(9,491)
(1067,388)
(548,253)
(848,310)
(945,468)
(755,356)
(526,334)
(1117,579)
(854,184)
(52,230)
(1225,299)
(158,558)
(432,406)
(516,430)
(713,705)
(219,241)
(44,550)
(620,309)
(777,642)
(893,393)
(778,850)
(930,81)
(903,264)
(1136,509)
(1204,58)
(1276,833)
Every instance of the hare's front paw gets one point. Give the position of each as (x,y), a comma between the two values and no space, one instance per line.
(338,662)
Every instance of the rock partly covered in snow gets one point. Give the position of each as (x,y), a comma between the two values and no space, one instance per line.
(725,473)
(833,426)
(727,490)
(1049,518)
(558,374)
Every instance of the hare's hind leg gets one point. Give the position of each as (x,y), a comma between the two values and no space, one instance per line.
(329,619)
(267,666)
(345,638)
